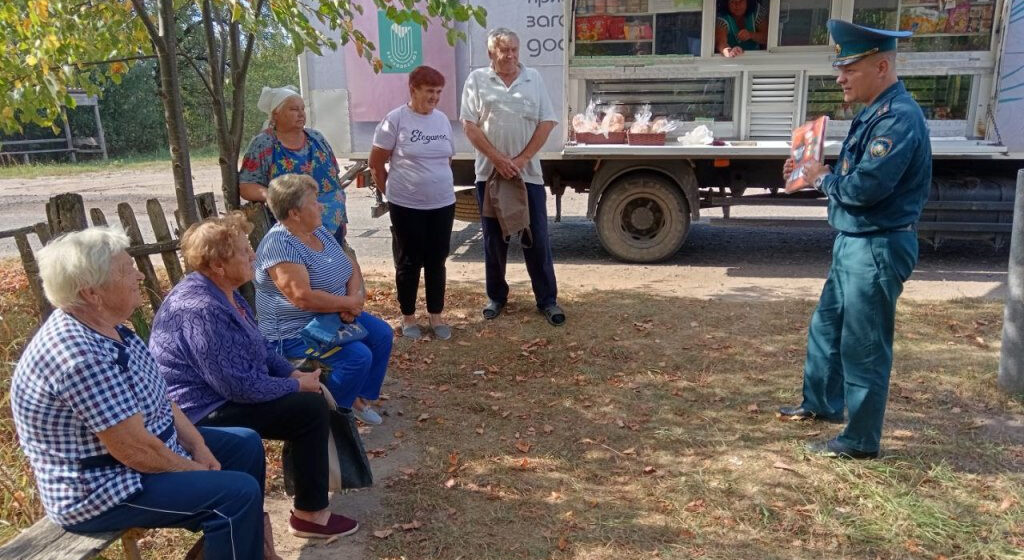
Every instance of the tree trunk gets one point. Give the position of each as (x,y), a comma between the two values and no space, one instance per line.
(170,92)
(1011,363)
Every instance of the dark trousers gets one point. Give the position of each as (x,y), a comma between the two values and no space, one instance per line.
(539,262)
(849,343)
(226,505)
(300,418)
(420,239)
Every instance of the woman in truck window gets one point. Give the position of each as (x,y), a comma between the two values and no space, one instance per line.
(742,25)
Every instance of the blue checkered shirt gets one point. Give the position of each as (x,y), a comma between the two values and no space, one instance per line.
(70,383)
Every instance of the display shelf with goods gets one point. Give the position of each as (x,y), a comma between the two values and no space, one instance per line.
(696,100)
(942,98)
(617,28)
(938,26)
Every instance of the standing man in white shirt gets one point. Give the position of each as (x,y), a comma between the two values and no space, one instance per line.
(507,116)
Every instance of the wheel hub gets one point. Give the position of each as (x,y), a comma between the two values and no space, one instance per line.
(642,218)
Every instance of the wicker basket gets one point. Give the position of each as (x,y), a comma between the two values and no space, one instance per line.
(466,208)
(646,139)
(592,138)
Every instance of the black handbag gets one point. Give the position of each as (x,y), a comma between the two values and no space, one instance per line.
(349,465)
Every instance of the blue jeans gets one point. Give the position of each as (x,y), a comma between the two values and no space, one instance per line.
(226,505)
(539,261)
(358,369)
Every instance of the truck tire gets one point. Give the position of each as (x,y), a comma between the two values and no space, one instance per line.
(642,218)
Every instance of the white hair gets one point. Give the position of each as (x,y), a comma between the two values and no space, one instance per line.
(500,34)
(78,260)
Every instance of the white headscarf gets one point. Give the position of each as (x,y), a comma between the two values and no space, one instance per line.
(272,98)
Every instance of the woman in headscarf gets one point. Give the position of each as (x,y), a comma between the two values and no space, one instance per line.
(742,25)
(286,146)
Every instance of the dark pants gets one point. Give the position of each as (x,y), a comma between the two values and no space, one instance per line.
(300,418)
(226,505)
(420,239)
(849,344)
(539,262)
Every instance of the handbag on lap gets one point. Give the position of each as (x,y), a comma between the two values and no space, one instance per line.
(326,333)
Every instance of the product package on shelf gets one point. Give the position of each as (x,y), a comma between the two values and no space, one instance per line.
(808,145)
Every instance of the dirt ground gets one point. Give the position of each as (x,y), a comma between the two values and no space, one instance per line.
(728,263)
(715,261)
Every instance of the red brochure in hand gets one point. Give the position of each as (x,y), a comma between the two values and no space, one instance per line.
(808,145)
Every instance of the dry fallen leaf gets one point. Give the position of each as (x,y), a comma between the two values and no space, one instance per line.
(411,526)
(784,467)
(650,470)
(563,543)
(548,428)
(695,506)
(383,534)
(450,483)
(330,540)
(1006,504)
(523,446)
(408,471)
(399,434)
(423,417)
(753,408)
(630,451)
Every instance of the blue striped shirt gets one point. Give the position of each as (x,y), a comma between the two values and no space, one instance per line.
(329,271)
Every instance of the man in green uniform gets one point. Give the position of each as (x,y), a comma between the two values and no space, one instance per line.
(875,197)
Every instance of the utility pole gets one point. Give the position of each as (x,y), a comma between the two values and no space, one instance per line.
(1011,360)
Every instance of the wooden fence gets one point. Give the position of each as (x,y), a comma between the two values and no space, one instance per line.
(66,213)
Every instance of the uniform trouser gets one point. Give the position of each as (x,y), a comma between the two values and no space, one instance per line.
(849,344)
(420,240)
(226,505)
(299,418)
(358,369)
(539,261)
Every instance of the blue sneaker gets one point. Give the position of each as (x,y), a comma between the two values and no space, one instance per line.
(368,416)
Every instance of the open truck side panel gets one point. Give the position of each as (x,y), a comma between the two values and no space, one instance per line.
(968,74)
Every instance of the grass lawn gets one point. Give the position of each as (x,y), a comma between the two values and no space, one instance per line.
(155,160)
(645,429)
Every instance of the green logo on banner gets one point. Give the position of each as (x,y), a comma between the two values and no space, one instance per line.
(401,45)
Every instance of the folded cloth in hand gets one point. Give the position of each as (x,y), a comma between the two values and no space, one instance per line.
(327,331)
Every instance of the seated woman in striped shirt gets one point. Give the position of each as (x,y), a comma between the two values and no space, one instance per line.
(301,271)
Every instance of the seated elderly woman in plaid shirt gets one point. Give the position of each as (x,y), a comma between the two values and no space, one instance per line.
(108,448)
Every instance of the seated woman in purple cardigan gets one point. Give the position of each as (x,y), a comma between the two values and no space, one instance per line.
(222,371)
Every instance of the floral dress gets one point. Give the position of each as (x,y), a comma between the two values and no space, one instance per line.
(266,158)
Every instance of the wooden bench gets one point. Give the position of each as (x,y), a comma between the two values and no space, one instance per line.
(47,541)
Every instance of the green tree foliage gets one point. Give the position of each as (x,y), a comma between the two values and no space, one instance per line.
(54,45)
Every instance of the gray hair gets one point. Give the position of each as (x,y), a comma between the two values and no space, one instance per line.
(287,192)
(500,34)
(77,261)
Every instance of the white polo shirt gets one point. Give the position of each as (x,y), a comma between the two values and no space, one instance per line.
(508,115)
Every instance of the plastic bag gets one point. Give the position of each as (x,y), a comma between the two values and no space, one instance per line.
(700,136)
(641,120)
(613,121)
(587,121)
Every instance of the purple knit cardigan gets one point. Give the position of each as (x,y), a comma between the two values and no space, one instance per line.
(211,355)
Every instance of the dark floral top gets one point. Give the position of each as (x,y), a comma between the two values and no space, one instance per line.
(266,158)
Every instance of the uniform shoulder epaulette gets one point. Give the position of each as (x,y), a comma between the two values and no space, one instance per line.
(883,109)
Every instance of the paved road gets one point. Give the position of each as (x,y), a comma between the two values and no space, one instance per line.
(715,260)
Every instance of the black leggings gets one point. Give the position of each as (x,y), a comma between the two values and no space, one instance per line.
(301,418)
(420,239)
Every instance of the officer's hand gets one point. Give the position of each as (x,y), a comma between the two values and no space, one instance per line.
(812,170)
(787,169)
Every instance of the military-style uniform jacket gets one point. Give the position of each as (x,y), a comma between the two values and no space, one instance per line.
(884,172)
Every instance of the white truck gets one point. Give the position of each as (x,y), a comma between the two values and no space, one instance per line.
(964,65)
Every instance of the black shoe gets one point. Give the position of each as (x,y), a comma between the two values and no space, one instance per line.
(801,412)
(493,309)
(832,448)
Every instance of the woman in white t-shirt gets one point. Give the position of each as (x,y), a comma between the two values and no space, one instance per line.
(417,140)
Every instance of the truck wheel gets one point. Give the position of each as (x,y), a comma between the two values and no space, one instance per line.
(642,218)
